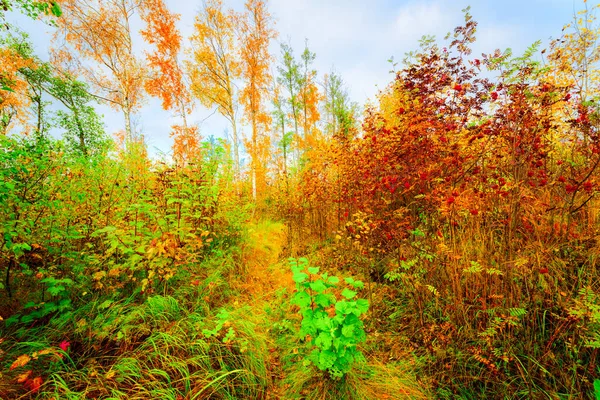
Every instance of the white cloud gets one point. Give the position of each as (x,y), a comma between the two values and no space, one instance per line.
(490,38)
(422,18)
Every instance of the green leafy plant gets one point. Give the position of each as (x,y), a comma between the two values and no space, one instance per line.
(222,322)
(58,303)
(331,325)
(586,310)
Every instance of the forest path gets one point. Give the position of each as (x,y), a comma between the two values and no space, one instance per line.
(265,284)
(265,273)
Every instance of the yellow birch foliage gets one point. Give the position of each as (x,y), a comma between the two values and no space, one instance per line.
(99,32)
(255,35)
(572,65)
(214,66)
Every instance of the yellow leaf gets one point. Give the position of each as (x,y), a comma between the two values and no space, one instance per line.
(20,361)
(99,275)
(23,377)
(42,352)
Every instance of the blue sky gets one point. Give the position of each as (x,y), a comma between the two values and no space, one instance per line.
(356,37)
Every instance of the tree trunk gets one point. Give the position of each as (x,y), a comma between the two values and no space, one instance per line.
(255,157)
(236,150)
(128,131)
(81,134)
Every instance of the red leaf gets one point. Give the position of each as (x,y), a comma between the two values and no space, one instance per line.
(34,384)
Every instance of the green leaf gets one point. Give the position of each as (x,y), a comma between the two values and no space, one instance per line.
(323,300)
(313,270)
(418,233)
(29,305)
(324,341)
(597,388)
(303,262)
(64,304)
(341,307)
(20,248)
(333,280)
(351,319)
(348,330)
(106,229)
(301,299)
(56,11)
(56,290)
(358,285)
(105,304)
(349,294)
(318,286)
(326,359)
(12,320)
(308,328)
(300,277)
(323,323)
(362,305)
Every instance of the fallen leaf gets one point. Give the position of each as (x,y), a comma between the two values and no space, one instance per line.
(42,352)
(20,361)
(34,384)
(23,377)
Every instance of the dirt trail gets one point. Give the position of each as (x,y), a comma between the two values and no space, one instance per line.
(265,271)
(266,274)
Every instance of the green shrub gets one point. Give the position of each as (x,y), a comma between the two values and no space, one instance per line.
(332,327)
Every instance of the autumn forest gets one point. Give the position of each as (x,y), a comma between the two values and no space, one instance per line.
(441,241)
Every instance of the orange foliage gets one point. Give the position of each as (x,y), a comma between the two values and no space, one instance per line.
(167,81)
(161,32)
(186,143)
(14,98)
(309,96)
